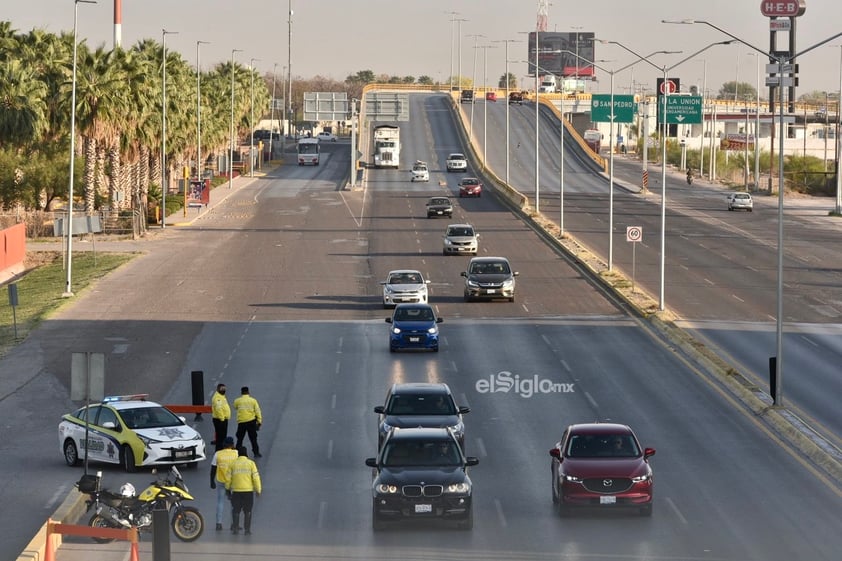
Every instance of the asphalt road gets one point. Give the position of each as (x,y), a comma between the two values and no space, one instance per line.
(278,289)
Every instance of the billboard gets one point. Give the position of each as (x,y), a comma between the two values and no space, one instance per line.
(557,54)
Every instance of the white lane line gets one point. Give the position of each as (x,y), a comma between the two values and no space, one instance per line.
(322,513)
(60,492)
(481,448)
(333,401)
(676,511)
(808,340)
(499,508)
(330,449)
(735,297)
(591,400)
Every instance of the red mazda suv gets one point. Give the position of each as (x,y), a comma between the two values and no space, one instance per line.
(601,465)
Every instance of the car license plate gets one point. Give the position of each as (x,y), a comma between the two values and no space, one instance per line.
(490,291)
(608,500)
(415,339)
(184,453)
(439,212)
(422,509)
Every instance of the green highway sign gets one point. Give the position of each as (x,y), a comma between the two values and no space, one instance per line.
(681,109)
(624,108)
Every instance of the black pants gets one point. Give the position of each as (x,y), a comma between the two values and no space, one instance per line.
(249,427)
(220,431)
(242,501)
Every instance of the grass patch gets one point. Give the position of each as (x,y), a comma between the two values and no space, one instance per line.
(40,290)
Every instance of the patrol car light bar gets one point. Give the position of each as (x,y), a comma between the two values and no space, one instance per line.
(131,397)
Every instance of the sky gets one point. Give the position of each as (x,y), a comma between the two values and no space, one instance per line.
(338,38)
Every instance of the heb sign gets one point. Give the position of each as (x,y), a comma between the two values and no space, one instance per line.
(782,9)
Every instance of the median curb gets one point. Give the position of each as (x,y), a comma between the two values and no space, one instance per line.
(68,512)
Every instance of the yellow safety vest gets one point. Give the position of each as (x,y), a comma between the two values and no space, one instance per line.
(219,407)
(247,409)
(223,459)
(244,476)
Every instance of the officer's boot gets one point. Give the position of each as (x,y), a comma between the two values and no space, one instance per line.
(235,526)
(247,522)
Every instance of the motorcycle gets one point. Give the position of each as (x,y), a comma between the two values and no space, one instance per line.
(126,509)
(689,178)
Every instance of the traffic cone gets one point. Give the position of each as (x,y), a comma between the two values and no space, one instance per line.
(49,554)
(133,556)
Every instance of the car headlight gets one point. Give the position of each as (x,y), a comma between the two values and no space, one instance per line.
(572,479)
(433,330)
(447,242)
(147,441)
(396,330)
(508,283)
(386,427)
(458,428)
(388,290)
(641,478)
(463,487)
(385,489)
(472,283)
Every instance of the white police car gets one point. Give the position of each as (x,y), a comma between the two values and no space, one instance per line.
(130,431)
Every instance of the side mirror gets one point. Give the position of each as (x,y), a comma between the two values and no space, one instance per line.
(648,452)
(379,409)
(388,320)
(464,409)
(555,453)
(471,461)
(110,425)
(439,320)
(515,274)
(464,274)
(371,462)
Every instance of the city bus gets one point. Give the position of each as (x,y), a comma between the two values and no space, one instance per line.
(308,152)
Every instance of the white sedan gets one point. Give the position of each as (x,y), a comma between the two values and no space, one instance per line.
(404,285)
(326,136)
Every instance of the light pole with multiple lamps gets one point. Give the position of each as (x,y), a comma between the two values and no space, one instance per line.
(231,137)
(485,105)
(68,289)
(507,41)
(537,107)
(780,60)
(164,177)
(272,111)
(251,118)
(665,129)
(476,37)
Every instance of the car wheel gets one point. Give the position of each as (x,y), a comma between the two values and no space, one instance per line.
(436,349)
(443,252)
(512,299)
(468,522)
(377,522)
(730,208)
(467,297)
(392,349)
(749,210)
(553,493)
(71,453)
(127,459)
(646,510)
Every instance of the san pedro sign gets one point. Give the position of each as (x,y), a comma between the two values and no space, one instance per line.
(601,108)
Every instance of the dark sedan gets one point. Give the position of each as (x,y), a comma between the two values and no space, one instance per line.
(601,465)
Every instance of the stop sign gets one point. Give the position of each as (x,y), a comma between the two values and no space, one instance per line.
(782,8)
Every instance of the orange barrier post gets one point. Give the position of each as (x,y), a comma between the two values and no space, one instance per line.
(49,554)
(133,538)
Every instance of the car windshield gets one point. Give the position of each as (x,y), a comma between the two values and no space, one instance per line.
(439,202)
(399,453)
(460,232)
(405,278)
(456,157)
(149,418)
(422,404)
(414,314)
(470,182)
(602,446)
(495,268)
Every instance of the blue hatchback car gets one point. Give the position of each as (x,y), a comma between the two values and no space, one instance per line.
(414,326)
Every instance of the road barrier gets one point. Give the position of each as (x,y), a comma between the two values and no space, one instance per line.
(58,528)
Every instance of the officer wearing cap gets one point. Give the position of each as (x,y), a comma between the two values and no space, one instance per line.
(220,474)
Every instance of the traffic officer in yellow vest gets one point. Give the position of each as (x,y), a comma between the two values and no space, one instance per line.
(220,474)
(243,483)
(249,420)
(220,412)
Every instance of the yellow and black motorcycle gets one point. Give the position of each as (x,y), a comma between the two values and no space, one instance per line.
(126,509)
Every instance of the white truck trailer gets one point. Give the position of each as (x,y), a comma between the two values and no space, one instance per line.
(387,146)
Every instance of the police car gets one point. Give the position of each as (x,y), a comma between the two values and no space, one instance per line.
(131,431)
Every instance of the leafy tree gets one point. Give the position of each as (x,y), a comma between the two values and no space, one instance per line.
(501,83)
(425,80)
(743,91)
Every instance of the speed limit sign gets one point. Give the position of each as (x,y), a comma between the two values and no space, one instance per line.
(634,233)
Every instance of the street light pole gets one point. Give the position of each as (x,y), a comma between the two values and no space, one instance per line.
(777,398)
(231,147)
(839,141)
(452,40)
(506,78)
(702,136)
(288,94)
(272,112)
(199,166)
(473,86)
(251,119)
(68,290)
(164,177)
